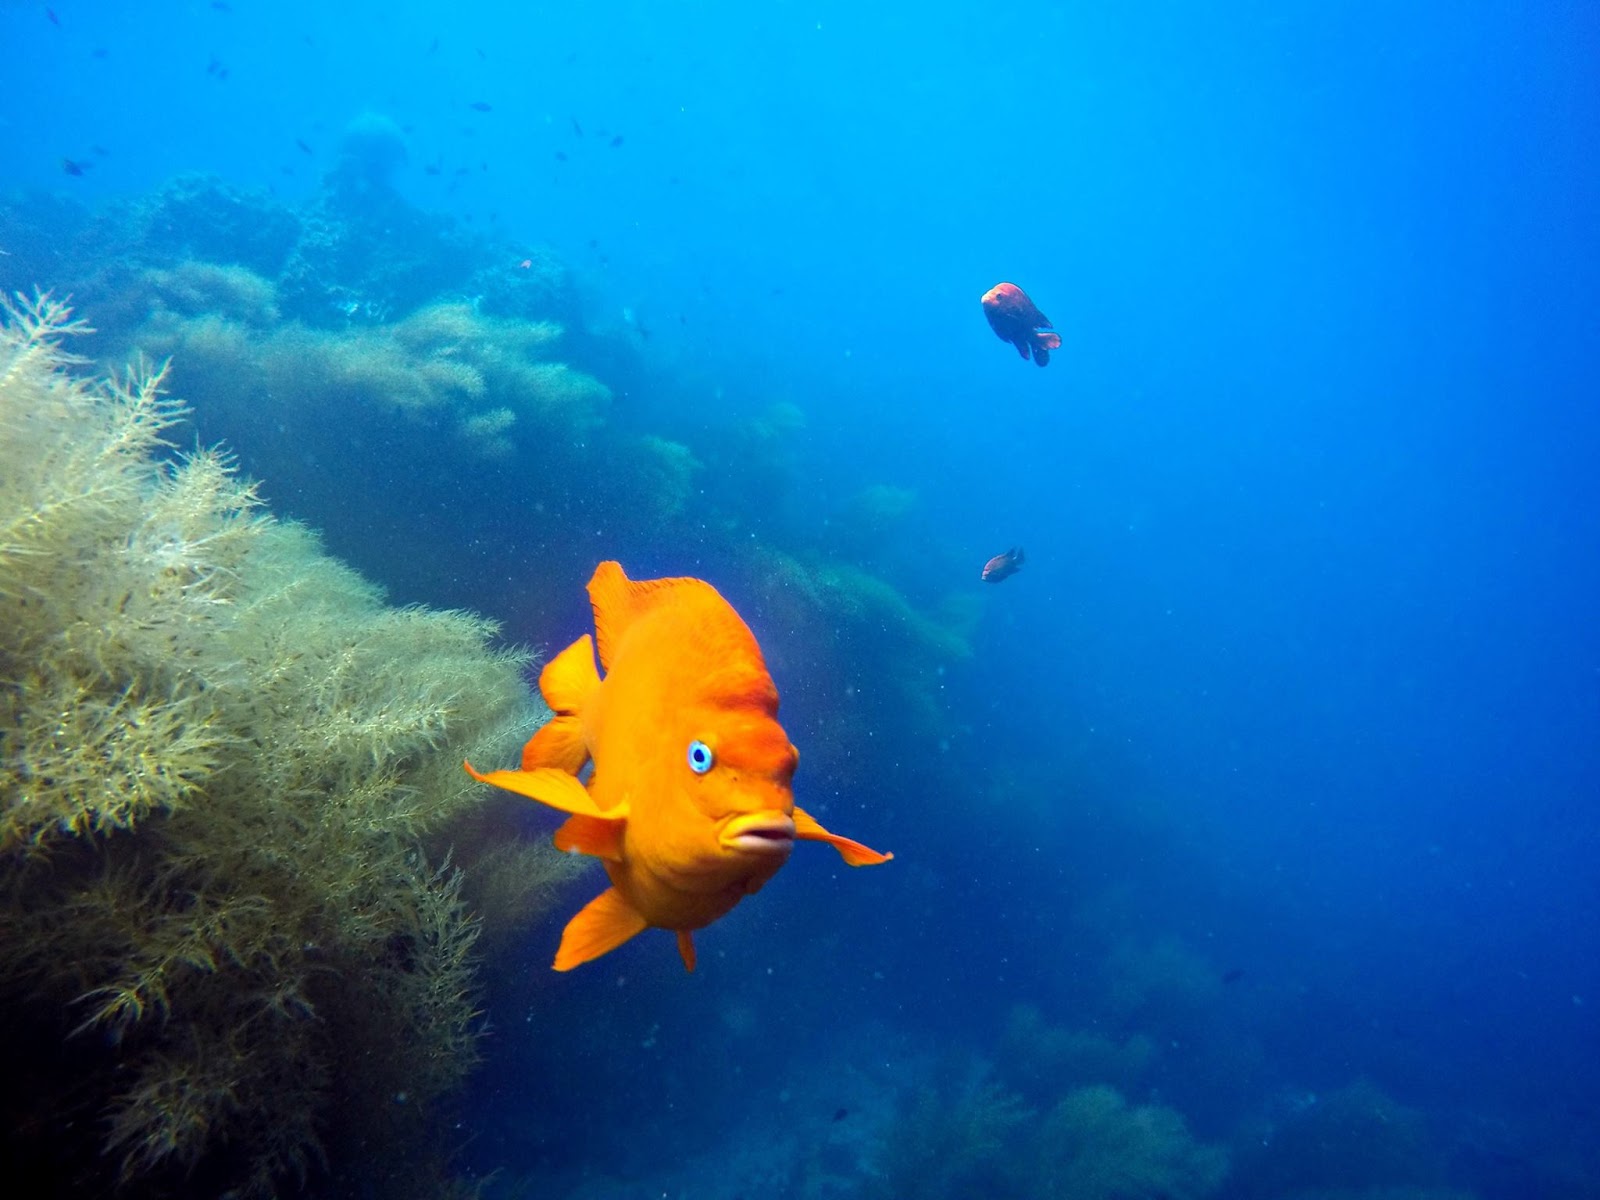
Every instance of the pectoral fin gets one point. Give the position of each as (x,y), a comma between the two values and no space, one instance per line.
(558,743)
(552,786)
(599,836)
(599,928)
(854,853)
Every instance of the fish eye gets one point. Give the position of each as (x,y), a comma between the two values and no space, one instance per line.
(700,757)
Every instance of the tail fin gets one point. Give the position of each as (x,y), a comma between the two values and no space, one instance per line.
(1044,341)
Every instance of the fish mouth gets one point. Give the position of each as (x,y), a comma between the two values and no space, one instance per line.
(759,833)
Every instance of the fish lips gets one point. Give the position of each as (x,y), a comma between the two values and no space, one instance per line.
(759,833)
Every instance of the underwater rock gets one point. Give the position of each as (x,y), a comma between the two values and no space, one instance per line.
(371,149)
(201,217)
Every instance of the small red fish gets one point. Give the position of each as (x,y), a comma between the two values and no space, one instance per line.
(1003,566)
(1016,319)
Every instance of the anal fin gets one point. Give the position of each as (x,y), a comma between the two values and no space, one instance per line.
(686,949)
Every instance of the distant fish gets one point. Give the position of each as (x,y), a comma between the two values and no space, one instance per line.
(221,5)
(433,48)
(481,106)
(482,55)
(73,167)
(217,68)
(632,321)
(561,156)
(1003,566)
(1233,975)
(432,169)
(616,141)
(840,1114)
(99,151)
(100,52)
(54,20)
(304,149)
(525,265)
(576,128)
(1015,319)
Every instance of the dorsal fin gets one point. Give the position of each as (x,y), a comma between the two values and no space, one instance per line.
(569,679)
(618,601)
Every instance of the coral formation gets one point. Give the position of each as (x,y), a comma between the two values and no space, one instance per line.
(226,954)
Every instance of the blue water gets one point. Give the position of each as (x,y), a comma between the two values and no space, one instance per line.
(1303,671)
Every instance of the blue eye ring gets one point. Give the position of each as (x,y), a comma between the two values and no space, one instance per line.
(701,759)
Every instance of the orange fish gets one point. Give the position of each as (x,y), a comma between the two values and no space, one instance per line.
(1015,319)
(689,807)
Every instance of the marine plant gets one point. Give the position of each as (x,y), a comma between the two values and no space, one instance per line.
(1042,1060)
(962,1134)
(880,658)
(1094,1145)
(965,1132)
(1353,1139)
(228,961)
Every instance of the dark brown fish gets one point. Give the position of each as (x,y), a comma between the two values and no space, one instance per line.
(1003,566)
(1015,319)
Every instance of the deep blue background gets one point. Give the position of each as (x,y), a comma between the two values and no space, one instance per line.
(1309,494)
